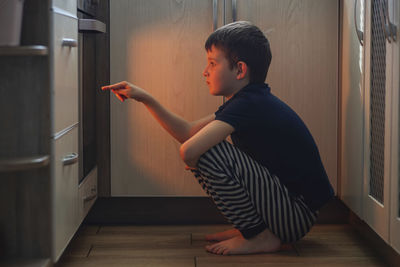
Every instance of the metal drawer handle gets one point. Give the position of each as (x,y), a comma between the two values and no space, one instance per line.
(69,42)
(215,14)
(89,198)
(234,10)
(91,25)
(360,34)
(20,164)
(389,28)
(70,159)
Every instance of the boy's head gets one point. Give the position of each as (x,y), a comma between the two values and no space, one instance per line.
(243,41)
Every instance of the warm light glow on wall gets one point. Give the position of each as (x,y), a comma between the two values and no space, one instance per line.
(167,60)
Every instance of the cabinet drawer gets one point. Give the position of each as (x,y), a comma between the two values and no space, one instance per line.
(65,5)
(87,194)
(65,62)
(65,190)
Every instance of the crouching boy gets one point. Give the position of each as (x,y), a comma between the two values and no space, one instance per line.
(270,183)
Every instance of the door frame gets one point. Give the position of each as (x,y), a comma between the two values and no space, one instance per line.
(394,237)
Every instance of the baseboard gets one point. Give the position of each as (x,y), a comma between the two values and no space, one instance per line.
(384,250)
(154,210)
(180,210)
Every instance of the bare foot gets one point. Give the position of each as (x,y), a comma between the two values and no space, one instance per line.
(221,236)
(262,243)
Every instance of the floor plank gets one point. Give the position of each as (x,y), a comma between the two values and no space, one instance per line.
(127,261)
(256,261)
(148,252)
(333,241)
(136,240)
(168,229)
(183,245)
(88,230)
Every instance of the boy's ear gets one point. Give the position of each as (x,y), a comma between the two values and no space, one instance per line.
(241,70)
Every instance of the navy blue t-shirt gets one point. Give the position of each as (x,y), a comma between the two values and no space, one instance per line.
(271,133)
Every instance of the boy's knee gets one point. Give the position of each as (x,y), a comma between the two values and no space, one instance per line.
(217,161)
(219,153)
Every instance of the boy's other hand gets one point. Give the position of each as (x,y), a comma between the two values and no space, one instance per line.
(124,90)
(189,168)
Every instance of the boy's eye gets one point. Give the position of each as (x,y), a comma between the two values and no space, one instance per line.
(212,63)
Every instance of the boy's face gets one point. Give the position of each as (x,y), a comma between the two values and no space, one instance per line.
(220,77)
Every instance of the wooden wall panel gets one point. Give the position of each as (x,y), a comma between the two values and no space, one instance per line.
(303,35)
(158,45)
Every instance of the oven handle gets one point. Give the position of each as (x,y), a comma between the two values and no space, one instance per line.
(91,25)
(69,42)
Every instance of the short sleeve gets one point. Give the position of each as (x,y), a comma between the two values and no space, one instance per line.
(239,112)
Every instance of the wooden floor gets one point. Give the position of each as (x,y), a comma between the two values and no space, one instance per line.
(325,245)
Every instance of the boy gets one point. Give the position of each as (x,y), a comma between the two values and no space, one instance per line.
(271,183)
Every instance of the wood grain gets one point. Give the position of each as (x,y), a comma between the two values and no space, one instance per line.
(256,261)
(25,132)
(128,262)
(303,35)
(175,245)
(158,45)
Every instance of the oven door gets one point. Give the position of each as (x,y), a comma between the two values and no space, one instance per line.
(88,28)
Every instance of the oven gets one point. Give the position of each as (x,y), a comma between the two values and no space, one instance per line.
(89,27)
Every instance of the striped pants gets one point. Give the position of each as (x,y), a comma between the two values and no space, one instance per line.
(250,197)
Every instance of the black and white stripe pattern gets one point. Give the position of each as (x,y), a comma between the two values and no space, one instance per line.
(250,197)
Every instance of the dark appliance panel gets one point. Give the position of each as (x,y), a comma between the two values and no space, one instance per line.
(88,28)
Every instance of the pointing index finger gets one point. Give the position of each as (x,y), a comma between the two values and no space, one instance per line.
(117,86)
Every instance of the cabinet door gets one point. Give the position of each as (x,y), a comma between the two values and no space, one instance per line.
(303,35)
(65,190)
(159,46)
(87,194)
(65,63)
(378,120)
(352,109)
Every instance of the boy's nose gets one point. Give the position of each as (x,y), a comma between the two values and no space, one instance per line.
(205,72)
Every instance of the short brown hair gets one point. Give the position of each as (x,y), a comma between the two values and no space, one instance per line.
(243,41)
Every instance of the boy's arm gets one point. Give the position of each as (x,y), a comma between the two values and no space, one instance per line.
(178,127)
(175,125)
(210,135)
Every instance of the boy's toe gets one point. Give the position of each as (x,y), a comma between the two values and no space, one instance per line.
(225,252)
(220,250)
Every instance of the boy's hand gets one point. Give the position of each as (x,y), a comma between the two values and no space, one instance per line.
(124,90)
(190,168)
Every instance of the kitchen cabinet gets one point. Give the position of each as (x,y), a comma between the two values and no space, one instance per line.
(25,146)
(64,58)
(42,203)
(370,116)
(381,169)
(160,46)
(65,68)
(65,190)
